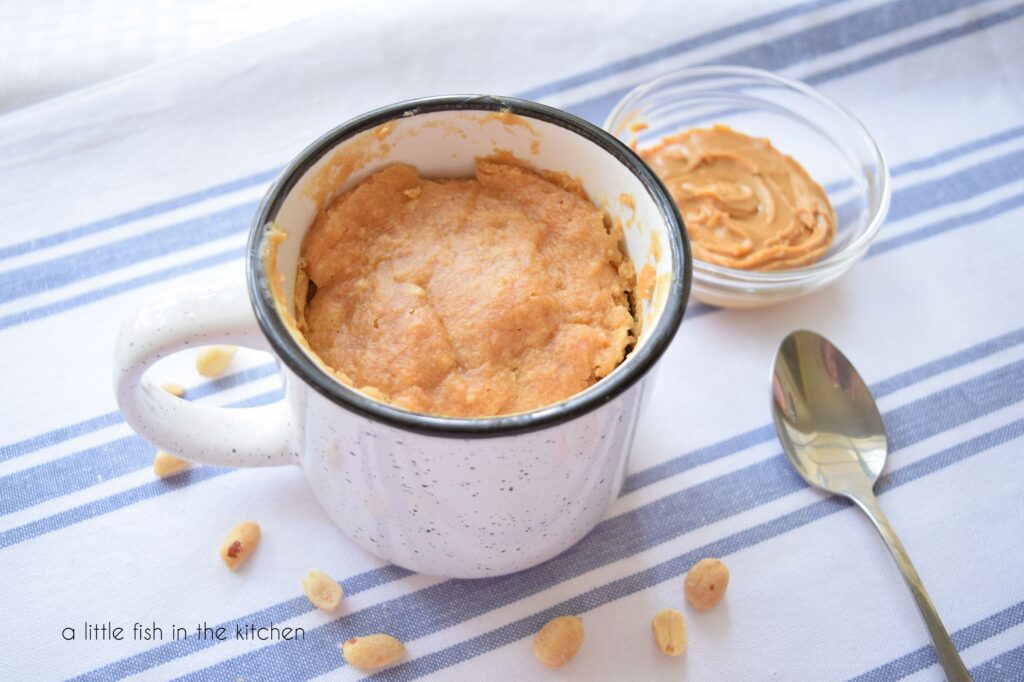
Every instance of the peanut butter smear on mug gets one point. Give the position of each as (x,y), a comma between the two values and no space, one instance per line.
(745,204)
(466,297)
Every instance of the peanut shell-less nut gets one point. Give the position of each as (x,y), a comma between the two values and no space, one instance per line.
(241,543)
(558,641)
(372,652)
(211,361)
(176,390)
(323,591)
(705,584)
(165,464)
(669,628)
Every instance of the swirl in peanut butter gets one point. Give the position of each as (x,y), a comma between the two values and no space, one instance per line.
(745,204)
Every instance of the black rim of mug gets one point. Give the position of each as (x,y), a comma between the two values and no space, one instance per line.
(291,353)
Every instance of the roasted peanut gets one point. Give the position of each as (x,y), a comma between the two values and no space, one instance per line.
(240,544)
(323,591)
(372,652)
(669,628)
(211,361)
(706,583)
(177,390)
(165,464)
(558,641)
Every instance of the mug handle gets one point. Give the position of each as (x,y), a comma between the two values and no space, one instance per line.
(189,317)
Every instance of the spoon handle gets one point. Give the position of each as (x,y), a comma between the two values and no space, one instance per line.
(949,658)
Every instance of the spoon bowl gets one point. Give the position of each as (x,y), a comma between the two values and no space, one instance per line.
(825,416)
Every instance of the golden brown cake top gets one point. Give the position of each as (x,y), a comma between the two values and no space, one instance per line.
(468,297)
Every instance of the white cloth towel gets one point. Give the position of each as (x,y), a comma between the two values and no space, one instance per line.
(114,193)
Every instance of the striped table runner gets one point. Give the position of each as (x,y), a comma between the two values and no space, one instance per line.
(115,192)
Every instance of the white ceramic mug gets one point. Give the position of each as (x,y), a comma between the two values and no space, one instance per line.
(444,496)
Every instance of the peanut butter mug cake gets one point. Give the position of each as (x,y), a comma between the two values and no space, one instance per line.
(438,272)
(474,297)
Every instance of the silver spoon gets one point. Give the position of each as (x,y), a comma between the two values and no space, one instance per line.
(831,430)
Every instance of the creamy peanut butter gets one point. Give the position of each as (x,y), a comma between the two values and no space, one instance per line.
(468,297)
(745,204)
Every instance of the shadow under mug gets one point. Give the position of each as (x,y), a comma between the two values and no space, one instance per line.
(457,497)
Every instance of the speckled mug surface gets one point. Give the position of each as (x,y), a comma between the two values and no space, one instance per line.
(457,497)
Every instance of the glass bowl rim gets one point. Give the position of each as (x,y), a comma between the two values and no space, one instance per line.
(845,255)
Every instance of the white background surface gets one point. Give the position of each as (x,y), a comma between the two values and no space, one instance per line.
(51,47)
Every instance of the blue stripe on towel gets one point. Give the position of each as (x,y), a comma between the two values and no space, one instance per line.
(1006,667)
(812,42)
(138,214)
(82,469)
(74,267)
(66,433)
(925,657)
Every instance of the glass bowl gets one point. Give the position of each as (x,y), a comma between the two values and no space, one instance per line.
(827,140)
